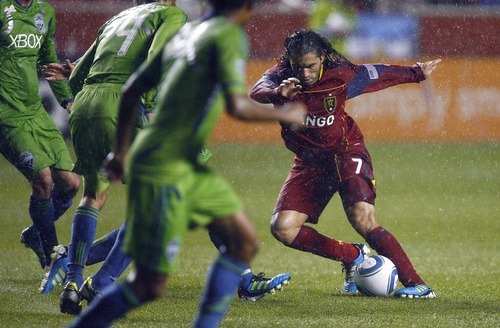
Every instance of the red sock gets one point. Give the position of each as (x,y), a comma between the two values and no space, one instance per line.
(310,240)
(387,245)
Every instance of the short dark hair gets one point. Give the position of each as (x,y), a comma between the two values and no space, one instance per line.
(304,41)
(224,5)
(141,2)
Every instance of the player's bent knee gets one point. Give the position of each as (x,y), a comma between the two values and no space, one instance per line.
(42,184)
(72,183)
(285,236)
(75,184)
(284,232)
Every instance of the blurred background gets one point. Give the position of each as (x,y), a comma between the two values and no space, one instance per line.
(460,102)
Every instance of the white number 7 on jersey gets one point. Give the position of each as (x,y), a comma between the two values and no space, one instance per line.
(360,162)
(129,34)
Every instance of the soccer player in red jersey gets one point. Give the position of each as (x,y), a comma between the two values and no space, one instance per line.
(331,155)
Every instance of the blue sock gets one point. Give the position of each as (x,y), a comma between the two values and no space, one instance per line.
(246,277)
(115,264)
(62,201)
(101,247)
(33,237)
(82,235)
(222,282)
(42,215)
(114,303)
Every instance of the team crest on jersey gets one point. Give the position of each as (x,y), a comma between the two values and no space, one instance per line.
(330,103)
(172,249)
(39,22)
(26,159)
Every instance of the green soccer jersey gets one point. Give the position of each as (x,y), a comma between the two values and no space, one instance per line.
(198,63)
(122,45)
(26,43)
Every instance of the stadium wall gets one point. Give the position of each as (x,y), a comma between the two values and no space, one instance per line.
(460,102)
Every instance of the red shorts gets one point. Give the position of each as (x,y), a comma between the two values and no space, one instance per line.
(311,185)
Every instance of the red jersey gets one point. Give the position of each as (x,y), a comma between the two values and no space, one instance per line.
(329,130)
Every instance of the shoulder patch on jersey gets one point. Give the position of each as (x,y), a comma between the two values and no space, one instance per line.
(372,71)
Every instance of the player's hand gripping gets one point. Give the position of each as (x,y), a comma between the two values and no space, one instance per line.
(428,67)
(56,71)
(290,87)
(112,167)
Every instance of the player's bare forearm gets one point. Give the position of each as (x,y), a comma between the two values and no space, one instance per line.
(243,108)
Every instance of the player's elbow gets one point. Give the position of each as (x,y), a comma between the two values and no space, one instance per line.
(260,95)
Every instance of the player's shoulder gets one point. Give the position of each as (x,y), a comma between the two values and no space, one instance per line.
(159,11)
(227,33)
(343,68)
(173,12)
(165,9)
(171,9)
(46,7)
(281,70)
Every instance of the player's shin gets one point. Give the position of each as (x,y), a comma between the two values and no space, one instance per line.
(222,281)
(42,215)
(101,247)
(61,202)
(82,235)
(115,302)
(115,264)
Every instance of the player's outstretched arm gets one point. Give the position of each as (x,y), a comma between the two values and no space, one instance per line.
(429,66)
(244,108)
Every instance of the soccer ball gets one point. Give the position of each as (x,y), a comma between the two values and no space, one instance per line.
(376,275)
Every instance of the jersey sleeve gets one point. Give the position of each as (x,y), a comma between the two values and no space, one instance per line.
(232,52)
(374,77)
(266,88)
(147,76)
(48,55)
(172,21)
(82,69)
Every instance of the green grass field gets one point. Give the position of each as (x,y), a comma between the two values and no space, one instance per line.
(440,200)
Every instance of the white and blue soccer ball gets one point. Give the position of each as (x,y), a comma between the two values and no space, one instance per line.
(376,275)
